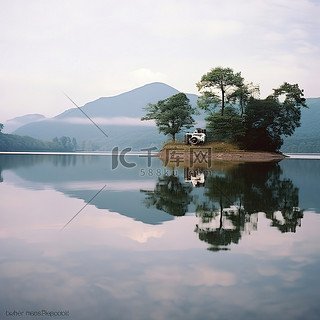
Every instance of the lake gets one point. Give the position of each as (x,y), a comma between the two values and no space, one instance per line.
(124,237)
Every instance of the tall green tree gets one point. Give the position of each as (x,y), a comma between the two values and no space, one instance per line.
(268,120)
(219,80)
(172,114)
(1,127)
(228,126)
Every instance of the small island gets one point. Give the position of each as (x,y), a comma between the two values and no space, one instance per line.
(182,155)
(240,126)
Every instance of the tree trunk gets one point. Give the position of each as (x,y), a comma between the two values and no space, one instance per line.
(173,137)
(221,213)
(222,102)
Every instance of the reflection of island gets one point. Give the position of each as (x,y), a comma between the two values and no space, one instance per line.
(230,201)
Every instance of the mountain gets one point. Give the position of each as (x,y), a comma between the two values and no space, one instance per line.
(307,137)
(128,104)
(118,117)
(15,123)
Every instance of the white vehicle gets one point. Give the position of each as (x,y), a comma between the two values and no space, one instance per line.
(198,136)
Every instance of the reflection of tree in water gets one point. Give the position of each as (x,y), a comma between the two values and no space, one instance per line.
(170,195)
(277,198)
(220,212)
(233,198)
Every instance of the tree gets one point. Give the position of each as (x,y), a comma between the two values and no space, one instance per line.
(1,127)
(268,120)
(228,126)
(223,80)
(171,114)
(74,144)
(243,94)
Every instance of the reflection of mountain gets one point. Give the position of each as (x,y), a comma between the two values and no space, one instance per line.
(82,177)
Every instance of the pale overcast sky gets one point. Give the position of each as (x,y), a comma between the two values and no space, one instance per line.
(95,48)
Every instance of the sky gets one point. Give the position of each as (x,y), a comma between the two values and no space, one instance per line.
(98,48)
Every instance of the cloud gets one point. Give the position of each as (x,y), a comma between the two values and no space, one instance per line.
(100,48)
(145,75)
(115,121)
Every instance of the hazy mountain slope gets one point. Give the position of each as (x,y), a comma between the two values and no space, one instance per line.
(307,137)
(13,124)
(128,104)
(118,116)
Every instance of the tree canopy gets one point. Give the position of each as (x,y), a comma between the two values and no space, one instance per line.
(172,114)
(243,94)
(228,126)
(268,120)
(222,80)
(257,124)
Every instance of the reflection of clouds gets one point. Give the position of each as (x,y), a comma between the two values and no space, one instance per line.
(287,275)
(121,227)
(143,236)
(290,275)
(267,270)
(268,243)
(191,275)
(17,269)
(36,215)
(119,289)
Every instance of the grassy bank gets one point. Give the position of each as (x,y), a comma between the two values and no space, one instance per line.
(214,146)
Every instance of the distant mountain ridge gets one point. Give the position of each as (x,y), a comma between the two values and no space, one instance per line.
(307,137)
(128,104)
(118,116)
(15,123)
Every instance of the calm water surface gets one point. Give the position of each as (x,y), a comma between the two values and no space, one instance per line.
(85,241)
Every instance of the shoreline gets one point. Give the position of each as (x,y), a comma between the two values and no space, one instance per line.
(170,155)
